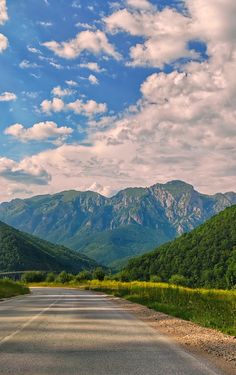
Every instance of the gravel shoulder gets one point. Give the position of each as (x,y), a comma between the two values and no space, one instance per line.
(216,347)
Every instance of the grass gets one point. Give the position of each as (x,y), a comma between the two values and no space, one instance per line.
(209,308)
(10,288)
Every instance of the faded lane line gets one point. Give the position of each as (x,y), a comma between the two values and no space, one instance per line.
(26,324)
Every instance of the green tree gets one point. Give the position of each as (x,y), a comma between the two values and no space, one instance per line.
(64,277)
(84,276)
(33,277)
(99,274)
(51,277)
(179,280)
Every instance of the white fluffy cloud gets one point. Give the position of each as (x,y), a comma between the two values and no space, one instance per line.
(54,105)
(3,43)
(93,79)
(3,12)
(7,97)
(184,124)
(38,132)
(95,42)
(58,91)
(140,4)
(165,34)
(92,66)
(25,172)
(89,108)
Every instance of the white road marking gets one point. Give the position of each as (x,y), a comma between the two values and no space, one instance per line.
(26,324)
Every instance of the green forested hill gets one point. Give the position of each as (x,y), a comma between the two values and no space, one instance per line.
(20,251)
(206,256)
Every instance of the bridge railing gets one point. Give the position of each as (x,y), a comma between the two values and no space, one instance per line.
(16,275)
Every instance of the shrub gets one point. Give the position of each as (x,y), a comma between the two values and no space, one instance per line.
(33,277)
(179,280)
(84,276)
(64,277)
(51,277)
(99,274)
(155,279)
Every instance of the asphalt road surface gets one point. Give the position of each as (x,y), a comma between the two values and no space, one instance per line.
(65,331)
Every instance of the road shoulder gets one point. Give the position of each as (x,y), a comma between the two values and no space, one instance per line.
(217,348)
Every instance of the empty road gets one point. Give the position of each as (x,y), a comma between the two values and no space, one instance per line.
(65,331)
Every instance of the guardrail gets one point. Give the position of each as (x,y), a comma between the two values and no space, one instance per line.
(15,275)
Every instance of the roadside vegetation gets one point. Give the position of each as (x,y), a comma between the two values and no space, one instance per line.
(208,307)
(9,288)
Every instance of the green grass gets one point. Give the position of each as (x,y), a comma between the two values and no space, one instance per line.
(9,288)
(209,308)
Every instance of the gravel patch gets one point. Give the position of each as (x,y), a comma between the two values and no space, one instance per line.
(220,349)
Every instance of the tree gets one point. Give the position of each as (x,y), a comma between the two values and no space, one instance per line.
(178,280)
(64,277)
(33,277)
(99,274)
(84,276)
(50,277)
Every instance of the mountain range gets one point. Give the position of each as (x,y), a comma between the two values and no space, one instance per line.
(23,252)
(205,257)
(112,230)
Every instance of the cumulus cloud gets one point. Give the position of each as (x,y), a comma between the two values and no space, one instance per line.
(7,97)
(165,34)
(25,172)
(3,43)
(95,42)
(88,108)
(93,79)
(107,191)
(54,105)
(140,4)
(183,125)
(58,91)
(3,12)
(3,19)
(38,132)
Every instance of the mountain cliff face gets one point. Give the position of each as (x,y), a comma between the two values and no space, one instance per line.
(113,229)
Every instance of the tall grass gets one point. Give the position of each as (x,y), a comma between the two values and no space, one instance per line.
(209,308)
(9,288)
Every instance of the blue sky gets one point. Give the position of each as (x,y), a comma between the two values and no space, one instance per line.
(85,87)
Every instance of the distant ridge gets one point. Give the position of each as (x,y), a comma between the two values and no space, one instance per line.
(112,230)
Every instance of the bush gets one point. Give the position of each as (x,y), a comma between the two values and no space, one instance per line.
(179,280)
(84,276)
(155,279)
(33,277)
(124,276)
(9,288)
(99,274)
(51,277)
(64,277)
